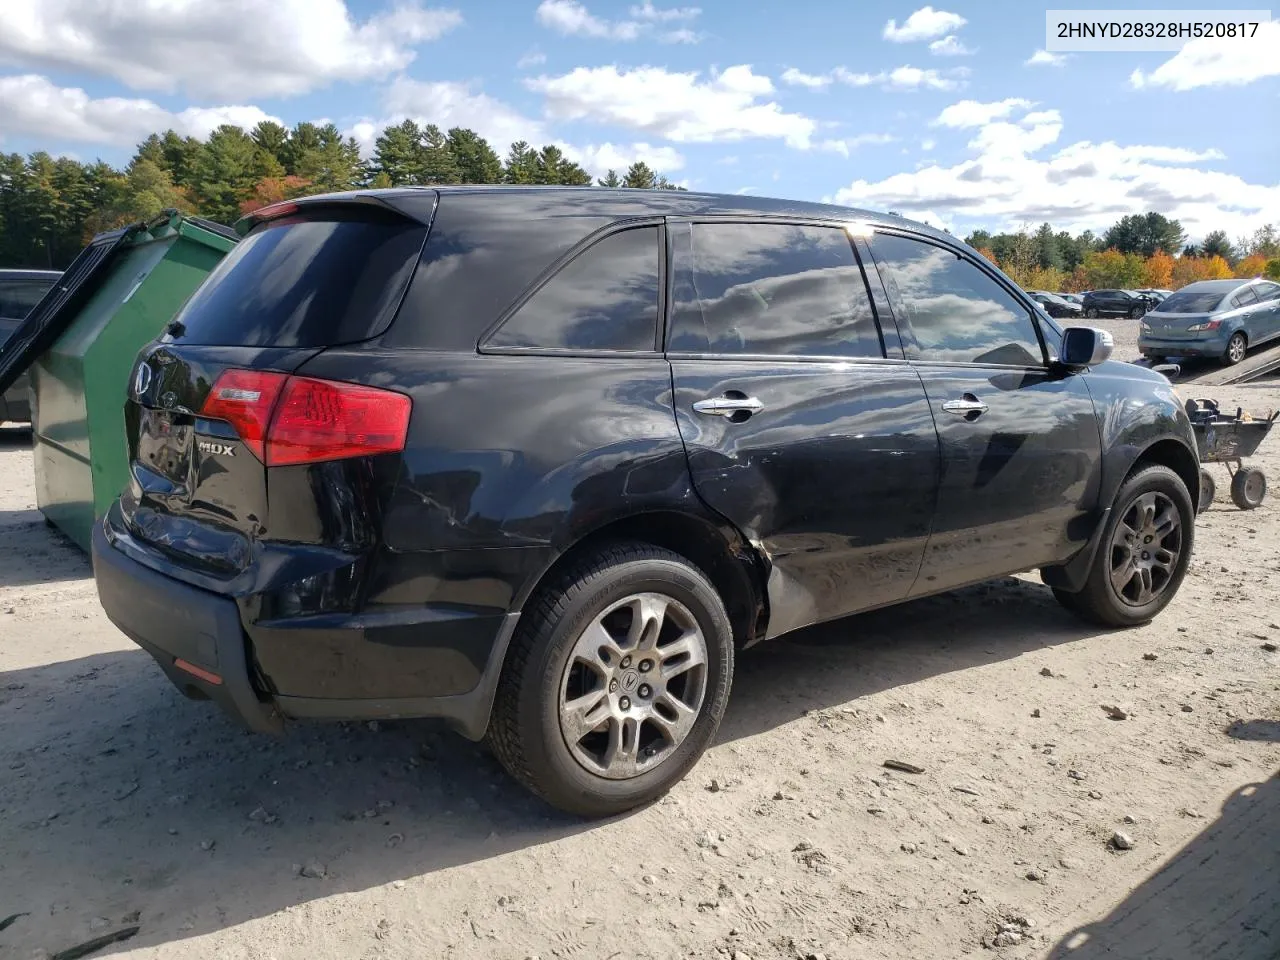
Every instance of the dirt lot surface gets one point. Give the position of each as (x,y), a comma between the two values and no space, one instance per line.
(124,805)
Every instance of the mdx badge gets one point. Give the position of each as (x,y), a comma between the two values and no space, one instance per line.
(217,449)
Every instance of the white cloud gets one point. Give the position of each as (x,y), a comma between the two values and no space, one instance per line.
(949,46)
(647,11)
(1009,179)
(846,145)
(798,78)
(575,20)
(680,107)
(899,78)
(926,145)
(33,106)
(971,113)
(1044,58)
(600,159)
(534,58)
(1218,62)
(925,24)
(228,48)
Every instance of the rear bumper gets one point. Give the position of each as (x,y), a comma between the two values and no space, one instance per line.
(183,626)
(1155,346)
(179,624)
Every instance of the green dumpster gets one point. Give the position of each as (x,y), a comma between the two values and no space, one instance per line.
(136,282)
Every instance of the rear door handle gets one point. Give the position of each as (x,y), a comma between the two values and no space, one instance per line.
(968,406)
(728,406)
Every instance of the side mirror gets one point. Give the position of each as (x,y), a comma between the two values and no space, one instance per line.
(1085,347)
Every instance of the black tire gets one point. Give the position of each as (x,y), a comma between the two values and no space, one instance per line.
(1099,602)
(1248,488)
(1136,312)
(1091,313)
(524,730)
(1208,489)
(1237,349)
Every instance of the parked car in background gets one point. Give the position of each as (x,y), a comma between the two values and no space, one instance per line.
(1212,318)
(1056,306)
(20,290)
(1154,294)
(1115,303)
(540,461)
(1076,298)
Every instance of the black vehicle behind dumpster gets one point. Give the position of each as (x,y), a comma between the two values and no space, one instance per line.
(540,461)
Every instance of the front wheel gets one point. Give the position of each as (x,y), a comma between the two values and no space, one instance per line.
(1144,552)
(616,682)
(1237,347)
(1137,312)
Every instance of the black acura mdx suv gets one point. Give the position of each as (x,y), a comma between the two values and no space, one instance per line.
(540,461)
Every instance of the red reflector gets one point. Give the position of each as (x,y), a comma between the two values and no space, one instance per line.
(326,420)
(245,399)
(195,671)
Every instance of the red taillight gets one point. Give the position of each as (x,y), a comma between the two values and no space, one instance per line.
(289,420)
(327,420)
(245,399)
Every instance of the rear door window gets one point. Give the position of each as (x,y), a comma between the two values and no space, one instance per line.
(604,299)
(1244,298)
(1267,291)
(312,281)
(957,312)
(771,289)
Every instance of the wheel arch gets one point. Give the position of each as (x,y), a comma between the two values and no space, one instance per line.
(1177,457)
(717,549)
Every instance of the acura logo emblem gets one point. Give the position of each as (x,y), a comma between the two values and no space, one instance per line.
(142,380)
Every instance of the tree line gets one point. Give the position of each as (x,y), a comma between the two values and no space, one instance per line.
(1140,250)
(50,207)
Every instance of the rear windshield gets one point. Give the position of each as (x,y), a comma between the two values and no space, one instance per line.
(308,281)
(1190,301)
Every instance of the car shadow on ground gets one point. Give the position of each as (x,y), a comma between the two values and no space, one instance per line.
(33,553)
(1217,899)
(119,796)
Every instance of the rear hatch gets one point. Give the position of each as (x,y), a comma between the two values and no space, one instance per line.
(1175,317)
(219,405)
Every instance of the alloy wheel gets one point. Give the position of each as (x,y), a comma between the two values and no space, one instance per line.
(634,686)
(1145,549)
(1236,349)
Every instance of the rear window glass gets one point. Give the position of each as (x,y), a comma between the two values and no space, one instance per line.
(1244,298)
(17,297)
(306,282)
(1190,301)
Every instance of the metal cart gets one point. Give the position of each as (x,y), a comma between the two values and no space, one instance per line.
(1225,439)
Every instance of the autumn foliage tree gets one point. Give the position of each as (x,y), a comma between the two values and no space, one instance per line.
(1190,269)
(1157,271)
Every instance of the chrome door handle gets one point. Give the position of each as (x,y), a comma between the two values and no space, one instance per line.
(728,406)
(967,406)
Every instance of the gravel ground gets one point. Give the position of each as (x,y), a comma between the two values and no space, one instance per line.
(123,805)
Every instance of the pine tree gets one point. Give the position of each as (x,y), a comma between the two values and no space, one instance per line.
(521,165)
(272,138)
(610,179)
(398,154)
(438,163)
(475,159)
(640,177)
(551,162)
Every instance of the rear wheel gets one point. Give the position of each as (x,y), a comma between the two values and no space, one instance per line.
(1091,313)
(1144,552)
(616,682)
(1208,488)
(1137,312)
(1248,488)
(1237,347)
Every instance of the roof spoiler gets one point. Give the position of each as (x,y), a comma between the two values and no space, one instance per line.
(418,205)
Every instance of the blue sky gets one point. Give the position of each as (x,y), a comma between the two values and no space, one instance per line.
(933,110)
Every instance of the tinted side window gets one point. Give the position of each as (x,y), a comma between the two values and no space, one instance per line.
(17,297)
(775,289)
(606,298)
(957,312)
(1267,291)
(1244,298)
